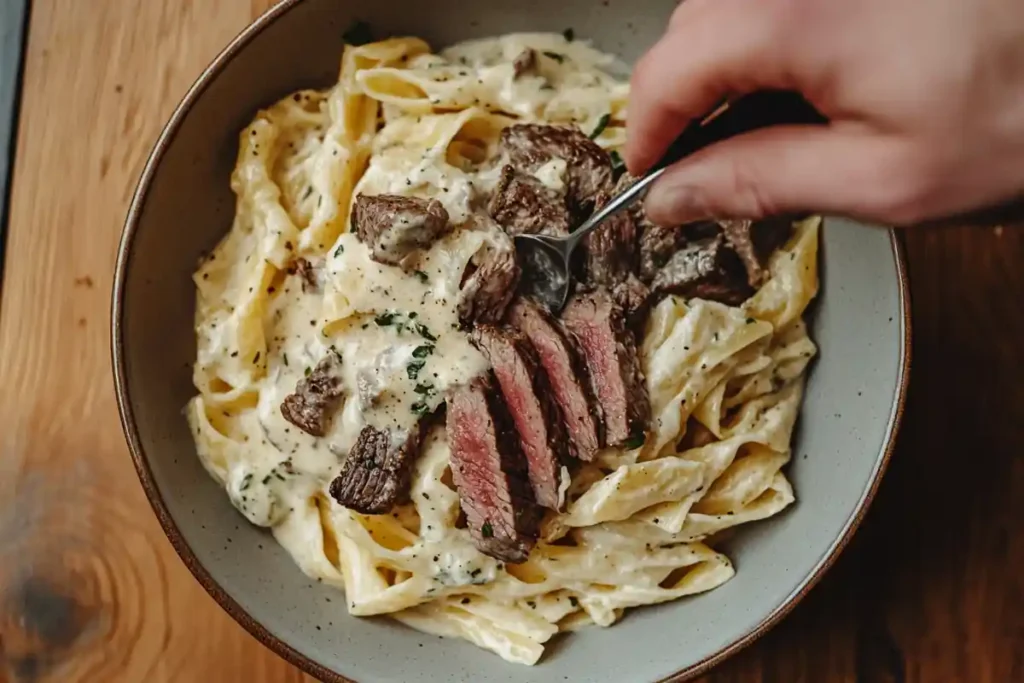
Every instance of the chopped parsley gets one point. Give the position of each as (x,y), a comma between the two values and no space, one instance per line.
(420,408)
(573,601)
(424,389)
(424,278)
(618,165)
(339,251)
(555,56)
(569,35)
(413,369)
(424,331)
(385,319)
(422,351)
(487,531)
(309,371)
(602,123)
(358,33)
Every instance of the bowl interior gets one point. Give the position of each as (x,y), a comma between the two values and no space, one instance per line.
(185,206)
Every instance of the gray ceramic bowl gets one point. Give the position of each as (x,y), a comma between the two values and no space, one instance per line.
(183,205)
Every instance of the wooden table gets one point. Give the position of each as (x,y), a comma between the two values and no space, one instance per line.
(931,590)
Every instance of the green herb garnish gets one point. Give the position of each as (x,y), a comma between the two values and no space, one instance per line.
(424,332)
(420,408)
(424,388)
(358,33)
(569,35)
(339,251)
(413,369)
(424,278)
(487,530)
(385,319)
(618,165)
(602,123)
(422,351)
(555,56)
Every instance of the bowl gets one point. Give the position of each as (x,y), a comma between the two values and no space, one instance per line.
(183,205)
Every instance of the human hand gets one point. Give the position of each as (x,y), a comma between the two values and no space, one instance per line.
(926,101)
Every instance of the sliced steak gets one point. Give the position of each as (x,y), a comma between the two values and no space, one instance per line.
(489,472)
(531,145)
(530,404)
(489,281)
(522,204)
(754,242)
(377,472)
(394,226)
(315,398)
(611,261)
(609,351)
(704,270)
(565,374)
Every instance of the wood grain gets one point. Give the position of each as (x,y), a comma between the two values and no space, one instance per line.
(931,590)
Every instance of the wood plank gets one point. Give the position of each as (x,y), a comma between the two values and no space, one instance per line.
(929,591)
(90,590)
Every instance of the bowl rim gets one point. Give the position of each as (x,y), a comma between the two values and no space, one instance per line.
(229,604)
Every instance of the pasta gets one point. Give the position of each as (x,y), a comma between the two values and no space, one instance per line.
(406,121)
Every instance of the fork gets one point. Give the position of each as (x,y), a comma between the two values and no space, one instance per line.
(546,260)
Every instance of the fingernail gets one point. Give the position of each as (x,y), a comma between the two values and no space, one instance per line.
(674,204)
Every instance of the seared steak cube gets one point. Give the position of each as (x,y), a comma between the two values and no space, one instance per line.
(589,168)
(704,270)
(376,474)
(530,404)
(490,473)
(563,367)
(754,242)
(609,351)
(522,204)
(394,226)
(315,398)
(490,280)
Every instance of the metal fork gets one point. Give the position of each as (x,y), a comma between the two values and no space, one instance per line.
(547,260)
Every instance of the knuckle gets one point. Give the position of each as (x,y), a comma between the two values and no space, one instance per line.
(910,190)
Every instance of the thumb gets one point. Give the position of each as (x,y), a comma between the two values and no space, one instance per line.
(785,169)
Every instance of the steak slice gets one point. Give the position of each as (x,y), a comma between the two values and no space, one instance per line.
(589,168)
(315,397)
(611,260)
(609,351)
(376,475)
(754,242)
(522,204)
(705,270)
(394,226)
(490,473)
(530,404)
(489,281)
(564,371)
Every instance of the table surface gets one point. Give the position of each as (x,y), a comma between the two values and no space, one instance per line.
(931,589)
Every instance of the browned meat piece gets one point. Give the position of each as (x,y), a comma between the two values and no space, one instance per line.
(490,280)
(490,473)
(378,469)
(522,204)
(564,372)
(611,261)
(609,351)
(634,297)
(754,242)
(315,397)
(588,167)
(704,270)
(524,62)
(530,404)
(394,226)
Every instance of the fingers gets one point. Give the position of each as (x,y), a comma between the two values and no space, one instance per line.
(842,170)
(712,48)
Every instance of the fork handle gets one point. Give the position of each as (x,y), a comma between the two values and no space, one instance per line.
(747,113)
